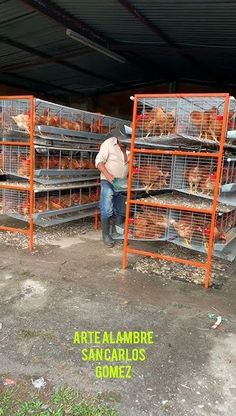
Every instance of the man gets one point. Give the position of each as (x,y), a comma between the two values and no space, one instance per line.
(112,162)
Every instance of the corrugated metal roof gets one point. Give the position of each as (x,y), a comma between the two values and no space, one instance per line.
(201,29)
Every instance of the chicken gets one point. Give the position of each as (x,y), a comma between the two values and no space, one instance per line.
(215,126)
(149,224)
(207,183)
(185,228)
(140,225)
(151,177)
(157,124)
(193,176)
(170,122)
(24,207)
(22,121)
(201,120)
(24,166)
(41,204)
(219,234)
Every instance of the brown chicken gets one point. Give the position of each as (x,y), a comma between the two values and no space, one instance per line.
(201,120)
(149,224)
(219,234)
(157,124)
(185,228)
(207,183)
(41,204)
(193,176)
(151,177)
(24,166)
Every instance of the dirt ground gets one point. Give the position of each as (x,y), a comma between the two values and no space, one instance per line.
(75,283)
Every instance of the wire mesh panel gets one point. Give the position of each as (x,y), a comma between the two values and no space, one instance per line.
(152,172)
(15,116)
(228,175)
(194,174)
(108,124)
(180,120)
(148,223)
(16,160)
(16,202)
(62,199)
(193,117)
(62,159)
(55,115)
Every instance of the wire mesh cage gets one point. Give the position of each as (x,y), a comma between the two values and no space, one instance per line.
(15,115)
(199,174)
(109,124)
(152,172)
(63,199)
(63,159)
(55,115)
(148,223)
(16,202)
(191,117)
(16,160)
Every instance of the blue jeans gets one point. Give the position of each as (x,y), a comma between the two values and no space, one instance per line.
(110,201)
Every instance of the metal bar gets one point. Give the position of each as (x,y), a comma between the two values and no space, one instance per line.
(179,95)
(14,230)
(175,152)
(15,187)
(216,192)
(14,97)
(176,207)
(128,201)
(168,258)
(31,179)
(15,143)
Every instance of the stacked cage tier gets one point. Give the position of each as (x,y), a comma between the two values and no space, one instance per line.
(188,189)
(48,156)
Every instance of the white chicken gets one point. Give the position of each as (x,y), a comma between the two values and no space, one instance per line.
(22,121)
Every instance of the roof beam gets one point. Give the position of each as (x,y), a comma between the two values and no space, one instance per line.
(67,20)
(49,58)
(162,35)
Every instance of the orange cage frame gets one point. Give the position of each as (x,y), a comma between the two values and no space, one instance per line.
(218,155)
(30,143)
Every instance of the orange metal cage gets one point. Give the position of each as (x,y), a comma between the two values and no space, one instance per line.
(30,144)
(218,156)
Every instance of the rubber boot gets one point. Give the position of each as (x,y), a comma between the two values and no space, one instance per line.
(117,221)
(107,239)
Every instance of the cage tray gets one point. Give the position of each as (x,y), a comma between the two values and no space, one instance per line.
(66,132)
(226,251)
(65,172)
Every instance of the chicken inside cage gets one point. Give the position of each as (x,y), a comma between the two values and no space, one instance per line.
(199,174)
(193,229)
(63,159)
(147,223)
(197,117)
(59,200)
(156,122)
(151,172)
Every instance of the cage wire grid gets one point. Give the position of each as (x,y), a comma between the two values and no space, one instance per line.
(163,115)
